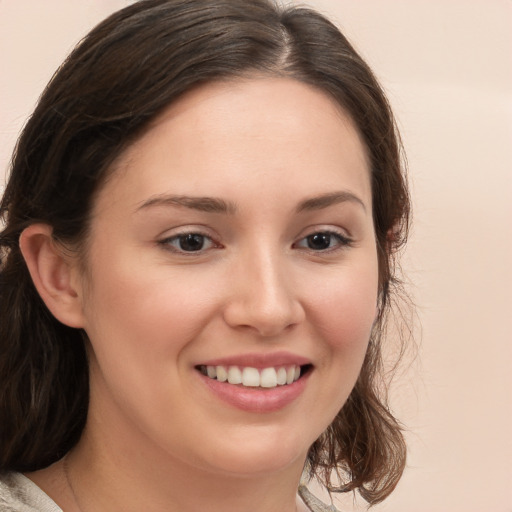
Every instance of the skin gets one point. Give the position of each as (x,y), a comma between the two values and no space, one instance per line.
(157,438)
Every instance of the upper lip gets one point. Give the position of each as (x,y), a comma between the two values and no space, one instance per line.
(256,360)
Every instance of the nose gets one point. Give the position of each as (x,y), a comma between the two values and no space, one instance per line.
(263,298)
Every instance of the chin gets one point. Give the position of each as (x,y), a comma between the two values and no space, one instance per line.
(262,455)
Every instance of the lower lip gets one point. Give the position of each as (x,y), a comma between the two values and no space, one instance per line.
(257,399)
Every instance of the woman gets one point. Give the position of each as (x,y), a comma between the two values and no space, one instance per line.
(197,261)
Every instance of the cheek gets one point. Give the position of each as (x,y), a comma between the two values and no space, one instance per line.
(341,311)
(138,310)
(344,314)
(345,306)
(139,327)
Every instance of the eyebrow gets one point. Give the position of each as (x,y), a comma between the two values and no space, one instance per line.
(217,205)
(203,204)
(329,199)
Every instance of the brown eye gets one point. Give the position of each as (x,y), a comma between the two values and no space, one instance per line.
(323,241)
(191,242)
(319,241)
(188,242)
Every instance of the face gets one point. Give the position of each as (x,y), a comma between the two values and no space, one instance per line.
(233,241)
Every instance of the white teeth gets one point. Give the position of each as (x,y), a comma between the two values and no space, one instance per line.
(281,376)
(222,374)
(234,375)
(252,377)
(268,378)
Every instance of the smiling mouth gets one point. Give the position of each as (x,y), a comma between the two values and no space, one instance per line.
(250,377)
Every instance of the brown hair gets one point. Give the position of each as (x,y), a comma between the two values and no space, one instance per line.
(123,74)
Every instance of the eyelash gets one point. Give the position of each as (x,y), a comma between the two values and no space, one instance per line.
(167,242)
(342,242)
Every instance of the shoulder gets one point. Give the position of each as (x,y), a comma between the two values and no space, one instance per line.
(19,494)
(313,503)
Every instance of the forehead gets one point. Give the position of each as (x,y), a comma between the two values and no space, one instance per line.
(267,128)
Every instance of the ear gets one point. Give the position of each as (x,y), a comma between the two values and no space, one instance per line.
(55,274)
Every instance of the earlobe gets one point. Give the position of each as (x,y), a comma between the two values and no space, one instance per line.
(53,274)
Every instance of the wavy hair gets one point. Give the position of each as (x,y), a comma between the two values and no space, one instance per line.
(119,78)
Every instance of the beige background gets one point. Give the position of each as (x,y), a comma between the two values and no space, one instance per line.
(447,66)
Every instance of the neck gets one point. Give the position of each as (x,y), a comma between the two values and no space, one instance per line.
(130,477)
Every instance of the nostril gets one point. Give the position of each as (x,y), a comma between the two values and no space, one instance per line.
(264,306)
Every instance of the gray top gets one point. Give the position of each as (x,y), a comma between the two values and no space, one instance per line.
(19,494)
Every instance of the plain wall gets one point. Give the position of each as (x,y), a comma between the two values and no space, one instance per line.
(447,68)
